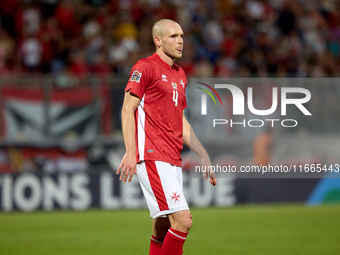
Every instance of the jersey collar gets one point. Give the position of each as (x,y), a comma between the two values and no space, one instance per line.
(165,64)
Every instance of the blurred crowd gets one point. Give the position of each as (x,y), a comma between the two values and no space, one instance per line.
(223,38)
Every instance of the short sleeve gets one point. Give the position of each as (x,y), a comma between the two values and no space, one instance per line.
(139,78)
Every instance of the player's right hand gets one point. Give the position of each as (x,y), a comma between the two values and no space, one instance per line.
(127,167)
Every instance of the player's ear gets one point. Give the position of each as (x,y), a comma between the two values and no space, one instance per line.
(157,41)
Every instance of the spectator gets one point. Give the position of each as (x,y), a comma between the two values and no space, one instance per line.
(7,51)
(30,53)
(79,67)
(101,66)
(224,38)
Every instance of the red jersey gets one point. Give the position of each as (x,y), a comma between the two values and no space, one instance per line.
(159,126)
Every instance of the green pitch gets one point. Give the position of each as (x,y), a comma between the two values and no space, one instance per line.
(253,230)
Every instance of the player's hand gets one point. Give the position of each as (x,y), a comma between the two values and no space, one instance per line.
(212,179)
(127,167)
(205,161)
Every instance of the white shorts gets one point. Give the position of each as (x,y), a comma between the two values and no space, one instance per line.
(162,186)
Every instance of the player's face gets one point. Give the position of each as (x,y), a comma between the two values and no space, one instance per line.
(172,41)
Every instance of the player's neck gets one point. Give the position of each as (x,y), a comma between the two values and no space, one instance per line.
(165,57)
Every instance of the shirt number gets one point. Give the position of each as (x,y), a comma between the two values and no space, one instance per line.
(175,97)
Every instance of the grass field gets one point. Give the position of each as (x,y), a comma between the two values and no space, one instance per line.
(254,230)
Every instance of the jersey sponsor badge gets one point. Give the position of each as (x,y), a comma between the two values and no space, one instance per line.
(136,76)
(174,85)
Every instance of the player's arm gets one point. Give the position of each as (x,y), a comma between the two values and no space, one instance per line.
(128,164)
(193,143)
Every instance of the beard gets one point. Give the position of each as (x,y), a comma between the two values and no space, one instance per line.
(173,54)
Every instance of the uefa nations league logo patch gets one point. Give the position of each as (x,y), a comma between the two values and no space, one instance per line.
(136,76)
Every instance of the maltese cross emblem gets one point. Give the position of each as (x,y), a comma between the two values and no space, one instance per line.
(175,196)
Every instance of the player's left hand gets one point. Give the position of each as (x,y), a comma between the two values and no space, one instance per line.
(206,163)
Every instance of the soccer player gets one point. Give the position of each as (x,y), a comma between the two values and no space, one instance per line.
(154,128)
